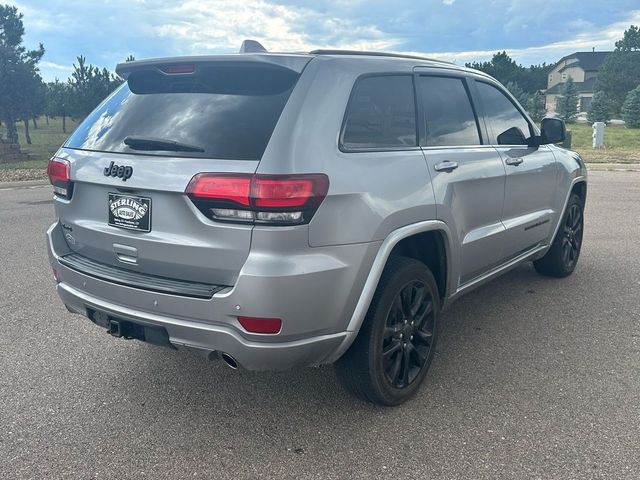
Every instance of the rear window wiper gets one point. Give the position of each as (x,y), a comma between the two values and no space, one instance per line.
(153,144)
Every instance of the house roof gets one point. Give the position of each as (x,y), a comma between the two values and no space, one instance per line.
(583,87)
(588,61)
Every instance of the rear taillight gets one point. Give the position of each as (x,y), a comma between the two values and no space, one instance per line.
(58,170)
(263,199)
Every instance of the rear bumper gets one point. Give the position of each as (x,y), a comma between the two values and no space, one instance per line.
(267,286)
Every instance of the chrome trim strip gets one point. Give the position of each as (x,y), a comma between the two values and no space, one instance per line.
(514,222)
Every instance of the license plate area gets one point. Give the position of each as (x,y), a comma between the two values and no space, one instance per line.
(130,212)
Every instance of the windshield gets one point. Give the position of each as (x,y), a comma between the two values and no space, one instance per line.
(227,112)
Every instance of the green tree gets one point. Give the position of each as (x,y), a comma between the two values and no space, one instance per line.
(57,102)
(89,86)
(567,101)
(18,70)
(630,42)
(534,78)
(517,92)
(600,108)
(38,101)
(30,101)
(536,107)
(620,72)
(631,108)
(501,67)
(506,70)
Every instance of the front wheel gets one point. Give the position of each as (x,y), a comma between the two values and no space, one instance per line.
(391,355)
(562,257)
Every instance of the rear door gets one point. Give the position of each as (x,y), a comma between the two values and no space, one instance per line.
(531,179)
(133,157)
(468,177)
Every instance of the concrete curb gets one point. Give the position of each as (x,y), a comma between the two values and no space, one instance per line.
(23,184)
(614,167)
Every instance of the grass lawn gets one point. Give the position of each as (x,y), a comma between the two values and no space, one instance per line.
(622,145)
(46,139)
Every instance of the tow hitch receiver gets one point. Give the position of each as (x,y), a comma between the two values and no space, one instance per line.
(119,328)
(114,328)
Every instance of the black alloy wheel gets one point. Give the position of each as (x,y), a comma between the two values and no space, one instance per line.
(408,334)
(572,238)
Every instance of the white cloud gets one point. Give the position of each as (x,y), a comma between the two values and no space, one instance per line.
(448,2)
(601,40)
(198,25)
(55,66)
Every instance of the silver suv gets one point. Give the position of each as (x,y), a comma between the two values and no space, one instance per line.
(282,210)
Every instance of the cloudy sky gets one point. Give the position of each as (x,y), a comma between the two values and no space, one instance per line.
(531,31)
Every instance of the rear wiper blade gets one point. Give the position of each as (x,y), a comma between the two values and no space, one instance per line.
(150,144)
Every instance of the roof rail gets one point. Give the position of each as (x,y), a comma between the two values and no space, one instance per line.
(374,54)
(252,46)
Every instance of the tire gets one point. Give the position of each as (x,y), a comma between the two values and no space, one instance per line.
(406,304)
(562,258)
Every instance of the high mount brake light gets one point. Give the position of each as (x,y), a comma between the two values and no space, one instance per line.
(256,198)
(58,170)
(172,69)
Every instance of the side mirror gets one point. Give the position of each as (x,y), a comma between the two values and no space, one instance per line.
(553,131)
(513,136)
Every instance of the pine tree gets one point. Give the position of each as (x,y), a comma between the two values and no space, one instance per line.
(600,108)
(517,92)
(20,83)
(631,108)
(620,72)
(536,107)
(567,101)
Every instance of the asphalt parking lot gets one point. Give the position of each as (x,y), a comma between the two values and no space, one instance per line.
(533,378)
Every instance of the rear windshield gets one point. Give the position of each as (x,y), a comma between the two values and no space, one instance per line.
(225,111)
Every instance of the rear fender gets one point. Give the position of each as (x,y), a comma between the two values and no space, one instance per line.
(378,266)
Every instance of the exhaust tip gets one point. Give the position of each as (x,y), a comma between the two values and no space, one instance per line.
(230,361)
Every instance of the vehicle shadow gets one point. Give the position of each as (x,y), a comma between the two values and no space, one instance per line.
(201,394)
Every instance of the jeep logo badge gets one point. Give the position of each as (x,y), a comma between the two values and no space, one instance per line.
(119,171)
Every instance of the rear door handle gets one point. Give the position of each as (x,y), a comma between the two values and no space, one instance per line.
(446,166)
(514,161)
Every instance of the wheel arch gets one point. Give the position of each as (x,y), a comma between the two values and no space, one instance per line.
(403,240)
(580,189)
(578,186)
(429,248)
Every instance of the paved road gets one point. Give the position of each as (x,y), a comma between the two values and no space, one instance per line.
(534,378)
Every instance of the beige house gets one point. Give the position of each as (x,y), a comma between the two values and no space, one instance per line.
(583,68)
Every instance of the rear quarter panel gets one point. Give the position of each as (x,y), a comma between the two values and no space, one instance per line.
(370,193)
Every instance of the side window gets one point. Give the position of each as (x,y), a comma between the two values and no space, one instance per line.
(449,117)
(509,126)
(381,114)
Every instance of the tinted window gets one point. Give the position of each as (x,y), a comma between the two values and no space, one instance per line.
(448,113)
(381,114)
(225,111)
(509,126)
